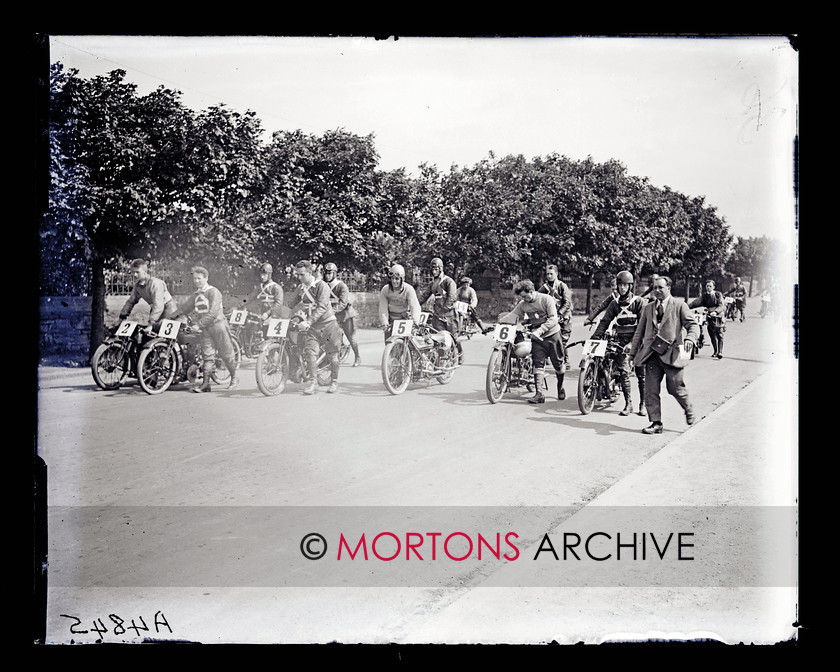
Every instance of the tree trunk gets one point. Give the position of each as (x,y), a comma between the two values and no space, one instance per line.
(589,293)
(97,304)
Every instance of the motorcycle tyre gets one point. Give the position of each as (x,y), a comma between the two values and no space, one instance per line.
(456,352)
(588,386)
(113,382)
(220,372)
(272,369)
(496,380)
(144,377)
(396,359)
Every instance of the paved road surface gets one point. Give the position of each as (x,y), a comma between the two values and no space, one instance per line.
(183,465)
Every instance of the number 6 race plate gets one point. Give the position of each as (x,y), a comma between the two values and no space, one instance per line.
(126,328)
(169,328)
(594,348)
(504,333)
(278,327)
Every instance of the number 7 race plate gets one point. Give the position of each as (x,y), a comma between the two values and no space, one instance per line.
(594,348)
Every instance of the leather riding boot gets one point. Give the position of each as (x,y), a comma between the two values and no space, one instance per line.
(539,397)
(561,393)
(625,389)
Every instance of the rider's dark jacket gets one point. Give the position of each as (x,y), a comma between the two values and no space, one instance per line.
(626,312)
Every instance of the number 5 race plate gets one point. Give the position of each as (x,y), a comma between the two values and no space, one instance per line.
(401,328)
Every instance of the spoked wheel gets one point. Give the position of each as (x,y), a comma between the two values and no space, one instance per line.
(110,365)
(497,376)
(588,386)
(156,367)
(324,373)
(396,366)
(453,358)
(221,374)
(344,353)
(272,369)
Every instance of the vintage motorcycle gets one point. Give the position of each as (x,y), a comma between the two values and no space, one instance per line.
(731,311)
(415,352)
(174,356)
(466,325)
(701,318)
(510,367)
(116,358)
(600,379)
(248,330)
(280,357)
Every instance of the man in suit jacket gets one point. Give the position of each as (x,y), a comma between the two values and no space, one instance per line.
(668,319)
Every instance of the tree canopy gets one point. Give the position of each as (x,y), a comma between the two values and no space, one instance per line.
(143,175)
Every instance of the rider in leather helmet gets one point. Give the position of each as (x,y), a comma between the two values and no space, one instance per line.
(625,310)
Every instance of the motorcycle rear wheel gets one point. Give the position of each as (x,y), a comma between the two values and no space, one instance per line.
(220,373)
(396,366)
(272,369)
(453,357)
(588,386)
(110,365)
(156,367)
(497,376)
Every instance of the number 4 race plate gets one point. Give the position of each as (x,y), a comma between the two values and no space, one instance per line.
(126,328)
(504,333)
(169,328)
(594,348)
(278,327)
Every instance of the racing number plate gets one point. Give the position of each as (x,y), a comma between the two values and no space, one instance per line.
(504,333)
(278,327)
(127,328)
(594,348)
(169,328)
(401,327)
(238,317)
(462,307)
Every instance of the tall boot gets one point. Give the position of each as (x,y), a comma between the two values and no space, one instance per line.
(625,389)
(312,368)
(539,397)
(641,379)
(334,368)
(207,369)
(357,358)
(561,393)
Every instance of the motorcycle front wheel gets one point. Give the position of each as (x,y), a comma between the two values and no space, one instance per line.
(110,365)
(272,369)
(396,366)
(497,379)
(156,367)
(588,386)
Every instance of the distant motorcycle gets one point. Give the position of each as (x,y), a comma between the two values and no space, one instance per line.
(510,367)
(731,312)
(465,323)
(415,352)
(700,318)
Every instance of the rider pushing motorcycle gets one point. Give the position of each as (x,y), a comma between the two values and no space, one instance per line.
(625,310)
(539,311)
